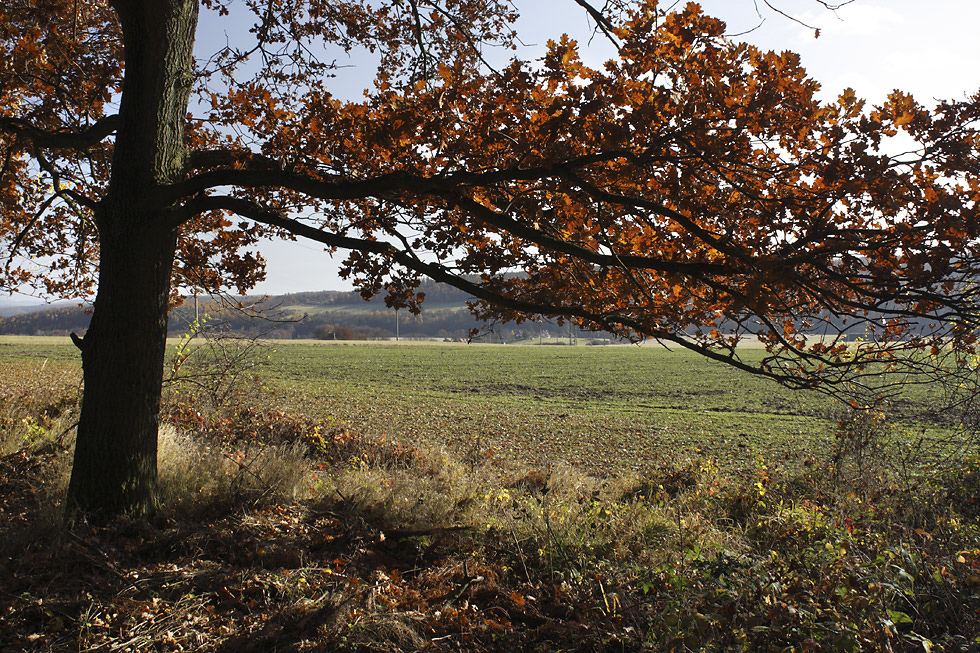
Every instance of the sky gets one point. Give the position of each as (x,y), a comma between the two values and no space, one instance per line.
(873,46)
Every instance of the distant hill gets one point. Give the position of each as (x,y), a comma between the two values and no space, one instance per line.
(17,306)
(46,321)
(325,315)
(19,309)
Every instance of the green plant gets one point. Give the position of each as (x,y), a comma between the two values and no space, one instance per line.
(860,440)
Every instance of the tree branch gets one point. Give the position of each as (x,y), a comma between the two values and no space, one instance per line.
(447,187)
(262,172)
(62,139)
(30,223)
(538,237)
(602,23)
(420,38)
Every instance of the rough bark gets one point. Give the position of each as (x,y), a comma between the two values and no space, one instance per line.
(115,466)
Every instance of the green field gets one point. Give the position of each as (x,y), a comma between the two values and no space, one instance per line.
(604,408)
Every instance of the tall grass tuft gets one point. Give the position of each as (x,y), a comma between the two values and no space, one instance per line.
(197,478)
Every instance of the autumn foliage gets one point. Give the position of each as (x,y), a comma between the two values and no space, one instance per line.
(691,189)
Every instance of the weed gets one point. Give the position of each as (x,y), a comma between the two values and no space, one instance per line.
(38,404)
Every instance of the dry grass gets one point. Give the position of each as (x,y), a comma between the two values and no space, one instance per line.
(196,477)
(39,405)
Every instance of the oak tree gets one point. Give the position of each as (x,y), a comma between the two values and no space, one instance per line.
(691,189)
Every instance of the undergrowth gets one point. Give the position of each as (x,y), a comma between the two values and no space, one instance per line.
(291,531)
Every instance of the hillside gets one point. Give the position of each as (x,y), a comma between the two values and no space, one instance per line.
(42,320)
(326,314)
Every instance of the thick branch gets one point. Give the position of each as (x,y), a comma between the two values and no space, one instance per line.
(263,172)
(445,187)
(62,139)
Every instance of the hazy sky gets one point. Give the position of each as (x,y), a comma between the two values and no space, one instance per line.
(874,46)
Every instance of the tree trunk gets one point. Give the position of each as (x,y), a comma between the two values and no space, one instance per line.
(115,466)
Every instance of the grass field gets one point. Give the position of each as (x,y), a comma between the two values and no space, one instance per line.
(606,409)
(601,407)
